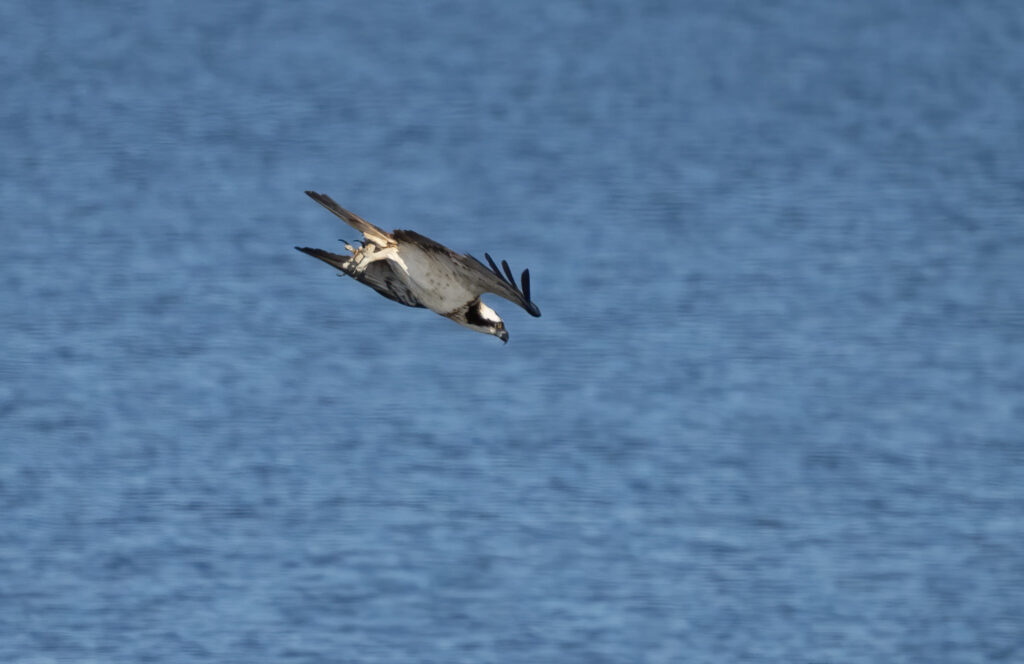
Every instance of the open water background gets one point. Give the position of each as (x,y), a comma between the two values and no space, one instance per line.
(773,412)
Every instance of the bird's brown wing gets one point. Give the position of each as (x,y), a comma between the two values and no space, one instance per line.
(374,234)
(378,275)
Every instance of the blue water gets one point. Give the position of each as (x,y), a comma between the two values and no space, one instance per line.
(773,411)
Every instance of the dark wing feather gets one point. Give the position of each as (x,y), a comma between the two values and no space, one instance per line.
(423,242)
(493,281)
(373,233)
(378,275)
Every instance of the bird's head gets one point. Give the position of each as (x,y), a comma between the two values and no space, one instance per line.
(480,317)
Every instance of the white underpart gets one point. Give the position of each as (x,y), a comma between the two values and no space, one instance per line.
(489,314)
(432,281)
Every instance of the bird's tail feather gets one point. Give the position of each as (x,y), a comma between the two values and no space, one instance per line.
(372,233)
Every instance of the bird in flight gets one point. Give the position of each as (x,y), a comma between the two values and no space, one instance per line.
(413,270)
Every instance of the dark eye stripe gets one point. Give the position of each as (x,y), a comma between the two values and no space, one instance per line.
(473,317)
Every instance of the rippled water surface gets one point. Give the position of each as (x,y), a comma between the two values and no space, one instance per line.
(773,411)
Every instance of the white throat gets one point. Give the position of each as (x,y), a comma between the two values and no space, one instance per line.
(489,314)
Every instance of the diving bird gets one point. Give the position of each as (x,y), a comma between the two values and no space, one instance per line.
(413,270)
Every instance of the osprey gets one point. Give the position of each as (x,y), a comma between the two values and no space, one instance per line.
(413,270)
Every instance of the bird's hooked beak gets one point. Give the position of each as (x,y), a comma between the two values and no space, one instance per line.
(502,334)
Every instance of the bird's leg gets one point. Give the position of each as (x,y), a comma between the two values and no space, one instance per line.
(370,253)
(360,255)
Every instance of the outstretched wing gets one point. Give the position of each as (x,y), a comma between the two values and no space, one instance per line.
(378,275)
(504,285)
(374,234)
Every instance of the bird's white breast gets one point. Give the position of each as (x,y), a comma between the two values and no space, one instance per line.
(432,279)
